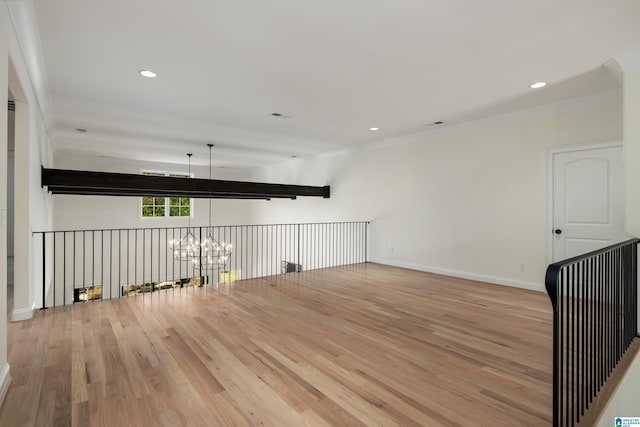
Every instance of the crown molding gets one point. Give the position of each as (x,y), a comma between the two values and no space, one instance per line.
(573,104)
(25,29)
(515,116)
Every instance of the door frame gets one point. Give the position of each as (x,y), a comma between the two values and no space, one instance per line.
(551,151)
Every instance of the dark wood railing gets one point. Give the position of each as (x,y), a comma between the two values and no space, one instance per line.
(89,265)
(595,320)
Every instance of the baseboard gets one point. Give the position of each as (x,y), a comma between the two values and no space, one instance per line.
(20,314)
(463,274)
(5,381)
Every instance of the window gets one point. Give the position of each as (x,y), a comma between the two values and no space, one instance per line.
(153,206)
(165,206)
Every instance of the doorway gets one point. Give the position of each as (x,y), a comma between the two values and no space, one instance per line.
(587,199)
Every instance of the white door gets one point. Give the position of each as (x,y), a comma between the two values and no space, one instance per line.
(588,207)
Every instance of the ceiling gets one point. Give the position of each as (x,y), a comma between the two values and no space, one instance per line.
(333,68)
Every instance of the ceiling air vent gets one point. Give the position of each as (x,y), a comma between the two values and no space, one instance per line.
(12,106)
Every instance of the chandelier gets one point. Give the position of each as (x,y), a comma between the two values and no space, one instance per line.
(185,249)
(213,255)
(188,247)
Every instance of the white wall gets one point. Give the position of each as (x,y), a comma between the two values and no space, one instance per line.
(4,82)
(469,203)
(33,208)
(91,212)
(632,142)
(626,401)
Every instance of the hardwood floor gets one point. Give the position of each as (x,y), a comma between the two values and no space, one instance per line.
(354,346)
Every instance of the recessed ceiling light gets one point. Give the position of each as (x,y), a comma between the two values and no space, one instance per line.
(147,73)
(280,115)
(374,128)
(437,123)
(538,85)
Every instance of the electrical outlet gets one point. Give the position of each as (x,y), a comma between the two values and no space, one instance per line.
(523,266)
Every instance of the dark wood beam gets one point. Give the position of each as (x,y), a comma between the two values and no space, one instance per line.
(62,181)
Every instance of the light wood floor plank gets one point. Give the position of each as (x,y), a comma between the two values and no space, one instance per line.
(359,345)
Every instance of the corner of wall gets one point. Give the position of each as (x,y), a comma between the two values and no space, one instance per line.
(20,314)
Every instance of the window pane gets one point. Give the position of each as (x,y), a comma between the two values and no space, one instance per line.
(165,206)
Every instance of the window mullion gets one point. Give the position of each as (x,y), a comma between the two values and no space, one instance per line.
(155,208)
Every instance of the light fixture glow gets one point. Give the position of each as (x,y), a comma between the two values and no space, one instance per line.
(147,73)
(538,85)
(374,128)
